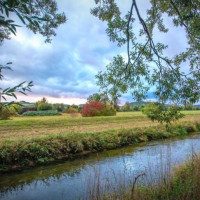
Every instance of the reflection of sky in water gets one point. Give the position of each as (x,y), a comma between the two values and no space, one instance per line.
(71,180)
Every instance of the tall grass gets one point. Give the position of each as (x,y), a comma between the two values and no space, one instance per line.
(181,184)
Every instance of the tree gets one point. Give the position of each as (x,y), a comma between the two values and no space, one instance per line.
(147,65)
(98,97)
(43,100)
(44,106)
(40,16)
(126,107)
(158,112)
(59,107)
(97,108)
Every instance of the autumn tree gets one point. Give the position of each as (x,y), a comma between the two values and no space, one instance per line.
(147,64)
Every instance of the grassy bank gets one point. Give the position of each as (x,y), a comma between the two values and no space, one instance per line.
(16,154)
(183,184)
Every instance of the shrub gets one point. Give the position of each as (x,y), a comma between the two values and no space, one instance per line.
(4,113)
(97,108)
(73,112)
(45,106)
(59,107)
(108,110)
(15,109)
(66,109)
(92,109)
(42,113)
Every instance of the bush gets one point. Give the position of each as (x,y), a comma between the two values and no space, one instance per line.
(15,109)
(4,113)
(92,109)
(108,110)
(97,108)
(73,112)
(42,113)
(59,107)
(45,106)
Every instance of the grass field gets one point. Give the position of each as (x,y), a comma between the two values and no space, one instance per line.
(19,128)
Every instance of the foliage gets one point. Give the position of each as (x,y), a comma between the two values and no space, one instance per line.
(9,109)
(108,110)
(66,109)
(11,91)
(98,97)
(40,16)
(97,108)
(74,106)
(43,100)
(126,107)
(4,113)
(42,113)
(44,106)
(161,113)
(136,108)
(92,109)
(59,107)
(73,111)
(146,65)
(15,109)
(80,108)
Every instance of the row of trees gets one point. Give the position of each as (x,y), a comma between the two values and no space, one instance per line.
(128,107)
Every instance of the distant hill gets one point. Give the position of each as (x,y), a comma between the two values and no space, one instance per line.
(25,103)
(146,102)
(197,106)
(138,103)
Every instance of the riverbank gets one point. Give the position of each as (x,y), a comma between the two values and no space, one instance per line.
(21,154)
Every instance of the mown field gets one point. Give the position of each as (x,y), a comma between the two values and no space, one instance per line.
(19,128)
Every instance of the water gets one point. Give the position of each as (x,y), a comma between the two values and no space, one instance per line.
(74,179)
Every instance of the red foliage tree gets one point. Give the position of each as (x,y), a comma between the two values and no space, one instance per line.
(92,108)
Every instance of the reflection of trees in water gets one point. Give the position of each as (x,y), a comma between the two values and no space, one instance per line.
(57,172)
(36,181)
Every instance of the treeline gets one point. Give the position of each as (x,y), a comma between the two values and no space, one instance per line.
(127,107)
(96,105)
(40,108)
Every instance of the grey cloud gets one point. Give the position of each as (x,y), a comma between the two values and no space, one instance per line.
(66,67)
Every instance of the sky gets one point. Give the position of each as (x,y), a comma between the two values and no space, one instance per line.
(64,70)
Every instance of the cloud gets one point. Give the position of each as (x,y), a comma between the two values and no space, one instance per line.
(66,68)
